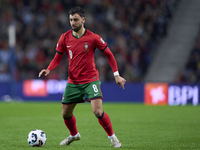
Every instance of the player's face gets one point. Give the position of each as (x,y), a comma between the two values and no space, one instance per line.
(76,22)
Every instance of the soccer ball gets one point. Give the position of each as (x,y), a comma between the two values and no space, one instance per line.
(37,138)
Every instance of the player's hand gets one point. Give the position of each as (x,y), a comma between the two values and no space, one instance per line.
(44,72)
(120,81)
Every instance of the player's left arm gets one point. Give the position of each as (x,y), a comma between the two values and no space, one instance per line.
(119,80)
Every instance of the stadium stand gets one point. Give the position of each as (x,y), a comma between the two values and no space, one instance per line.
(132,29)
(191,72)
(174,50)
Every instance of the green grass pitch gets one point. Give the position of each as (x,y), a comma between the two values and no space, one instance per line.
(137,126)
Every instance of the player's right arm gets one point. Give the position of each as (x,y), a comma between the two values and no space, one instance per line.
(54,63)
(57,58)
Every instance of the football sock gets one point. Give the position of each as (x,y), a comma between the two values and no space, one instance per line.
(75,135)
(111,136)
(71,125)
(105,122)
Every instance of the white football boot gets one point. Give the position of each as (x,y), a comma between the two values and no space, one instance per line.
(70,139)
(115,142)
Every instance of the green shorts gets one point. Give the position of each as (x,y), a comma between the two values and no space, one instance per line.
(78,93)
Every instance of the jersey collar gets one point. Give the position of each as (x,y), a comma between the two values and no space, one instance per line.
(80,36)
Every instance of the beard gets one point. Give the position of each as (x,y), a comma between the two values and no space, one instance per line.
(76,29)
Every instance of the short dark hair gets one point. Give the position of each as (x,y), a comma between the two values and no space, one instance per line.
(77,10)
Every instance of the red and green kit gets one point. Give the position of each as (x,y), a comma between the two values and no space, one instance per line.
(80,53)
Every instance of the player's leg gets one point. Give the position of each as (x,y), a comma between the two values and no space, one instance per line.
(69,118)
(94,95)
(104,121)
(103,118)
(71,97)
(70,122)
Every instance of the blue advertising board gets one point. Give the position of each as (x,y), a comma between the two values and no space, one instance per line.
(52,90)
(148,93)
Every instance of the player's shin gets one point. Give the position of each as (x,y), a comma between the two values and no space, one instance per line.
(71,125)
(105,122)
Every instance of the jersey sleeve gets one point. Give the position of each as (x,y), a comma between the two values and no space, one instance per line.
(102,46)
(60,47)
(111,60)
(100,43)
(55,62)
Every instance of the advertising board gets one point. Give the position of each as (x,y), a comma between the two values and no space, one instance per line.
(171,94)
(147,93)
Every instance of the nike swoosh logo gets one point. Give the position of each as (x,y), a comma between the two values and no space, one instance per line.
(69,46)
(96,94)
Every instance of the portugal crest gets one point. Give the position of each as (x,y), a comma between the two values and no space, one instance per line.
(86,47)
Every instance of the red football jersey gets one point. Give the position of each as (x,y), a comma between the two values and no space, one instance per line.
(80,52)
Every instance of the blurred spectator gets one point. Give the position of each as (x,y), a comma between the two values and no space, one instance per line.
(132,29)
(191,73)
(4,62)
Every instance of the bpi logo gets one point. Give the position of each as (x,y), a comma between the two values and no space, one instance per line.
(43,88)
(34,88)
(181,95)
(156,93)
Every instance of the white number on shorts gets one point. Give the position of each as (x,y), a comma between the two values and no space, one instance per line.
(70,54)
(95,88)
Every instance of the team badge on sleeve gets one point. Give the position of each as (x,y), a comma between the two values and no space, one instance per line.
(86,47)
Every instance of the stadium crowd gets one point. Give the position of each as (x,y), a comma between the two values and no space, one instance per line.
(191,72)
(132,29)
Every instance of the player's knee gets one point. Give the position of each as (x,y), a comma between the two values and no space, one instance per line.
(66,115)
(63,114)
(98,113)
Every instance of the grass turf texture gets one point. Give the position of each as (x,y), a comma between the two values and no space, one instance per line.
(137,126)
